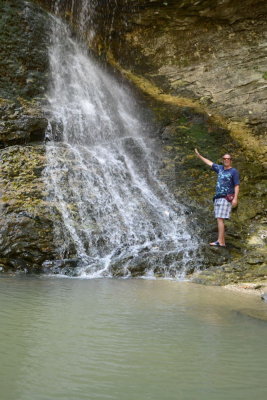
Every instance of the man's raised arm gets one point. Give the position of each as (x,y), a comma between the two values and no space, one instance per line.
(205,160)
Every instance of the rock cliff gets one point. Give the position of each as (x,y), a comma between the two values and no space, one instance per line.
(202,68)
(208,55)
(26,227)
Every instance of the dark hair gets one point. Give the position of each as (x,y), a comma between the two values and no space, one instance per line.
(227,154)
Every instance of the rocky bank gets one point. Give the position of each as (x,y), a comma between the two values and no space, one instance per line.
(201,66)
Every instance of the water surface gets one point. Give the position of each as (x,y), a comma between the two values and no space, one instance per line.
(132,339)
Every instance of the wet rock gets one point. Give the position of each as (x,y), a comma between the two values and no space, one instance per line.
(22,122)
(26,219)
(264,297)
(128,266)
(255,261)
(24,34)
(232,272)
(62,267)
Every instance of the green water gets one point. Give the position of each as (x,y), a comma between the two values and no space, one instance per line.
(129,340)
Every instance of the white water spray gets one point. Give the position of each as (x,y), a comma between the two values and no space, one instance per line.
(117,218)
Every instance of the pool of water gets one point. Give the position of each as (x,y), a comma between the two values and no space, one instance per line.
(76,339)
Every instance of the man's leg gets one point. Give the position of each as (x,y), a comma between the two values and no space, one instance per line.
(222,210)
(221,229)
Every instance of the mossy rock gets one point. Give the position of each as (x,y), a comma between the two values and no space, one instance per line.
(27,218)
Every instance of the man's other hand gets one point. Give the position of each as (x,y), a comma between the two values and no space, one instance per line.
(234,203)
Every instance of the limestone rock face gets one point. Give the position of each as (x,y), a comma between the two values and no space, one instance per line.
(24,33)
(22,122)
(212,52)
(202,67)
(26,227)
(24,30)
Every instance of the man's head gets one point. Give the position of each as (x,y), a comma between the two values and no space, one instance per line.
(227,161)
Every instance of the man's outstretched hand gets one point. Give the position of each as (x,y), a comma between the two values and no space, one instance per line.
(205,160)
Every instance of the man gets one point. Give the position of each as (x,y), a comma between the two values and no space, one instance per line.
(227,189)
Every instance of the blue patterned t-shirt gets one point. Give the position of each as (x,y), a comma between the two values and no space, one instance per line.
(227,179)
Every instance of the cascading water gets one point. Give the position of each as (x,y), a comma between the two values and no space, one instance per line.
(117,218)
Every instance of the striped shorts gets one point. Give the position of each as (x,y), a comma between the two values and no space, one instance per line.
(222,208)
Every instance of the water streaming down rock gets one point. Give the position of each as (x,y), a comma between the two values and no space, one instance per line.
(117,218)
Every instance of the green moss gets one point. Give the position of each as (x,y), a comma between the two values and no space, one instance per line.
(265,75)
(21,186)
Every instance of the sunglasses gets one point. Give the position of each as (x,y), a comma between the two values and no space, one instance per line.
(227,158)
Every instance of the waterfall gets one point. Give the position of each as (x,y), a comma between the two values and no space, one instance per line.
(116,217)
